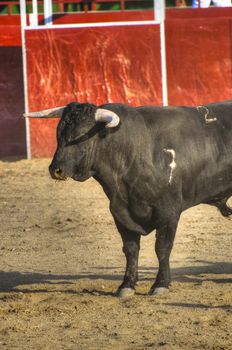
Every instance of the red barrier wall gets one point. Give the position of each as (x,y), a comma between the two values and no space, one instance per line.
(199,60)
(12,127)
(108,64)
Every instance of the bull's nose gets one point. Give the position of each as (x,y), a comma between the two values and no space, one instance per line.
(57,174)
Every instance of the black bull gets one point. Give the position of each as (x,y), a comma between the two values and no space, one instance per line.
(153,163)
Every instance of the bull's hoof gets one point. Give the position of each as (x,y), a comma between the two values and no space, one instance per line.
(125,293)
(225,211)
(158,291)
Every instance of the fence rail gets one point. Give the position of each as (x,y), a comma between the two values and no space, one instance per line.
(62,6)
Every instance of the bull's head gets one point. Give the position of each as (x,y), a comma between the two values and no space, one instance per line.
(77,134)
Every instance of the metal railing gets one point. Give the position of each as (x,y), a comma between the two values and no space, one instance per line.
(63,6)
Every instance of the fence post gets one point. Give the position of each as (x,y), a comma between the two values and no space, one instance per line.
(47,12)
(34,15)
(159,8)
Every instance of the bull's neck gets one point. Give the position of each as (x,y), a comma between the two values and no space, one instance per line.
(111,164)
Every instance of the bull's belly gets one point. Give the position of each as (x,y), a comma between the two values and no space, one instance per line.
(208,188)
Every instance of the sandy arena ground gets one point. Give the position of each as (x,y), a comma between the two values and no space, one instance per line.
(61,261)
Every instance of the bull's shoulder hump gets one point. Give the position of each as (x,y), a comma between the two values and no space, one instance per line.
(226,104)
(165,112)
(146,109)
(164,109)
(117,107)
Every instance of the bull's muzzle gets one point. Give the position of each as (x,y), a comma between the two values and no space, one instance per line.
(57,174)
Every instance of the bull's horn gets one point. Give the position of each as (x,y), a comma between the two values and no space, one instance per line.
(109,117)
(47,113)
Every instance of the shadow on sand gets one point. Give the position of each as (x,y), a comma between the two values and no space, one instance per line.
(10,281)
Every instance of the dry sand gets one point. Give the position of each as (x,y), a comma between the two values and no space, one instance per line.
(61,261)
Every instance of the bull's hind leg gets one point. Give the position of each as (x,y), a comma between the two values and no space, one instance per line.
(131,246)
(224,209)
(163,247)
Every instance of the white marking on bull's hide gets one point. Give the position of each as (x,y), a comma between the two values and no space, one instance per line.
(208,118)
(172,164)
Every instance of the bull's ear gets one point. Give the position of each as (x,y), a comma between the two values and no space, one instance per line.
(107,116)
(47,113)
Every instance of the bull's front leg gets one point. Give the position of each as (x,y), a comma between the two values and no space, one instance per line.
(163,247)
(131,246)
